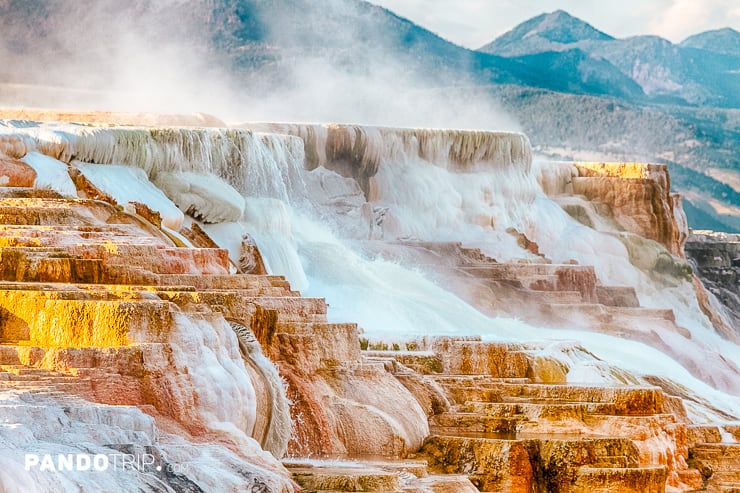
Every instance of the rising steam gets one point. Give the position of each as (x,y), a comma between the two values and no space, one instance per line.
(292,60)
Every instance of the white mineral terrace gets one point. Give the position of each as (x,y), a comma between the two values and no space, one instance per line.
(343,211)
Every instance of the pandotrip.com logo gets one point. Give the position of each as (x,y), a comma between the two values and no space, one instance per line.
(140,462)
(113,462)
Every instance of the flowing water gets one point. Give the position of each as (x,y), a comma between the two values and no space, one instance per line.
(312,207)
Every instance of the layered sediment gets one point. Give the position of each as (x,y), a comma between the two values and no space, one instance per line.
(636,196)
(149,320)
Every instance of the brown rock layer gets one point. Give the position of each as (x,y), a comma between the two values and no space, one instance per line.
(639,198)
(14,173)
(507,433)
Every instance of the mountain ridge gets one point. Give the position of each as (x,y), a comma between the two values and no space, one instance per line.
(557,28)
(685,72)
(725,40)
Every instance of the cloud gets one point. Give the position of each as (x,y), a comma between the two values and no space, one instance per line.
(682,18)
(470,23)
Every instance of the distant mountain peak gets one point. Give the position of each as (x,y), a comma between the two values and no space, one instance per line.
(552,30)
(728,30)
(725,40)
(561,15)
(723,31)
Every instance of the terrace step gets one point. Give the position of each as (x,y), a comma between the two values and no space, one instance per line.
(611,479)
(424,362)
(38,381)
(76,361)
(562,297)
(25,265)
(441,483)
(721,459)
(270,285)
(504,464)
(345,477)
(475,380)
(629,400)
(515,270)
(41,216)
(80,322)
(416,467)
(26,192)
(451,423)
(540,282)
(371,475)
(465,393)
(625,296)
(539,411)
(483,358)
(567,311)
(46,237)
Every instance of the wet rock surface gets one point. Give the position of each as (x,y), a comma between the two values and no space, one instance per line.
(507,433)
(716,259)
(121,334)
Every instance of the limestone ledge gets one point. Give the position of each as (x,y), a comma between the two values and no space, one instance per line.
(636,196)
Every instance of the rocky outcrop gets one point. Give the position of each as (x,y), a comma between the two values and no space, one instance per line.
(716,259)
(639,199)
(508,433)
(14,173)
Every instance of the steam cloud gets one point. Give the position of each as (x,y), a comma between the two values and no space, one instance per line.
(292,60)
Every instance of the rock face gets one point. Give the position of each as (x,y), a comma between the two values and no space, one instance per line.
(126,334)
(14,173)
(356,151)
(638,196)
(716,257)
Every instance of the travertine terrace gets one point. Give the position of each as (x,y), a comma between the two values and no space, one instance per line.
(126,329)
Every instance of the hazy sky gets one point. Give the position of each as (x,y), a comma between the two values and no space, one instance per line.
(473,23)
